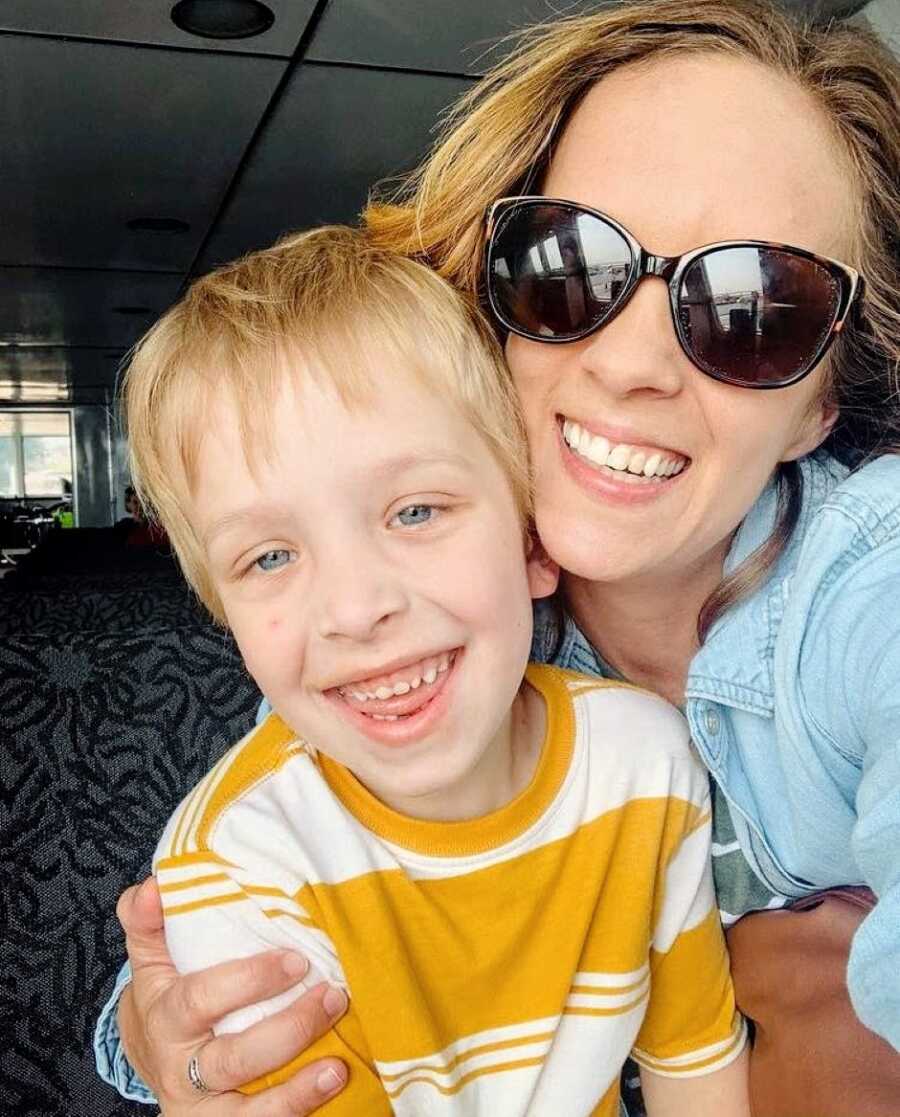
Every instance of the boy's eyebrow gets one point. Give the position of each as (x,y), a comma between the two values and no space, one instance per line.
(390,467)
(239,518)
(404,462)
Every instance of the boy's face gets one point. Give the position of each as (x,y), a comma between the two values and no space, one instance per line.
(373,571)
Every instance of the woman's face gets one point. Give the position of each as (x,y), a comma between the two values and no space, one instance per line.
(683,152)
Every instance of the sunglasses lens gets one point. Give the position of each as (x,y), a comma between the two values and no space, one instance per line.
(555,272)
(756,316)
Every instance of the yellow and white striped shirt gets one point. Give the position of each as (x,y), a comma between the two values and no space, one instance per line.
(506,965)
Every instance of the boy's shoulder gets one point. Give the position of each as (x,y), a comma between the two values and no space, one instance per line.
(620,707)
(246,783)
(633,736)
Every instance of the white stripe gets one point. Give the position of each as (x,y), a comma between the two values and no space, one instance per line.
(461,1046)
(719,850)
(448,1079)
(611,980)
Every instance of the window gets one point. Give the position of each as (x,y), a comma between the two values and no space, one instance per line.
(35,454)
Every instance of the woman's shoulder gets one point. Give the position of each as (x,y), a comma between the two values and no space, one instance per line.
(848,515)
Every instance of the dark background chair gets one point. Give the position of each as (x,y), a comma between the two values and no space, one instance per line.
(113,703)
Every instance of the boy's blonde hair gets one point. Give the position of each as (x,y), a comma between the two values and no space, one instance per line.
(345,307)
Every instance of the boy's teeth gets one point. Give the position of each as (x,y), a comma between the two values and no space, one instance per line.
(621,457)
(426,671)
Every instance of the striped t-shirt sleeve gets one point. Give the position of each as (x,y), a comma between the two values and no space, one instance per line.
(692,1026)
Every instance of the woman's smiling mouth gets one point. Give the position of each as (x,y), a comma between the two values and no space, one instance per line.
(634,463)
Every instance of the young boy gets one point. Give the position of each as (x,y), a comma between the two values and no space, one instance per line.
(509,875)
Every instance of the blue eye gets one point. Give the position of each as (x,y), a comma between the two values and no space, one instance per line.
(274,560)
(415,514)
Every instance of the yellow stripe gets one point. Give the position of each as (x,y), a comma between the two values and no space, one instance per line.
(194,882)
(610,990)
(266,890)
(264,753)
(578,1010)
(483,1049)
(275,913)
(448,1091)
(198,857)
(210,902)
(398,957)
(195,803)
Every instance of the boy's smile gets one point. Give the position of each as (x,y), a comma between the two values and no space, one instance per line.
(370,560)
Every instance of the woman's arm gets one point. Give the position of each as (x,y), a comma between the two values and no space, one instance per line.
(164,1019)
(721,1094)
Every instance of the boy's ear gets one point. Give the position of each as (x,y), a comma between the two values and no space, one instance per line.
(543,572)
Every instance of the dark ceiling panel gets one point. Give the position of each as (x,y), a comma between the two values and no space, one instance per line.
(78,307)
(334,133)
(147,21)
(454,36)
(440,35)
(92,136)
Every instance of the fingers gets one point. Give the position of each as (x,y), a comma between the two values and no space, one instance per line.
(139,909)
(302,1094)
(194,1002)
(232,1060)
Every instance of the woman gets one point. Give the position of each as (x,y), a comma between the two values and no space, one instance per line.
(717,547)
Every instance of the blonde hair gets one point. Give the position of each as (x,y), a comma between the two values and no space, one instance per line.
(499,140)
(346,307)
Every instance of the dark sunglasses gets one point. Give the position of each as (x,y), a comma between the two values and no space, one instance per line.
(746,312)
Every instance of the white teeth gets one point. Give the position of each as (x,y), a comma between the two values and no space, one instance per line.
(652,464)
(434,666)
(430,675)
(384,692)
(385,717)
(599,449)
(621,457)
(416,682)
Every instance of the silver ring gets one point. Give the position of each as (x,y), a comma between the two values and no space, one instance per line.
(195,1077)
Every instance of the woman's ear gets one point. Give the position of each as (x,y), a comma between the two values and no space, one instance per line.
(814,429)
(543,572)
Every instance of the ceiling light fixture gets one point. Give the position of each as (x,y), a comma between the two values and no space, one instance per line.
(222,19)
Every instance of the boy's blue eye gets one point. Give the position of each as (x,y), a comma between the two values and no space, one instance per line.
(415,514)
(273,560)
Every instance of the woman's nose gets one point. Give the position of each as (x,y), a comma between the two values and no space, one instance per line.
(638,350)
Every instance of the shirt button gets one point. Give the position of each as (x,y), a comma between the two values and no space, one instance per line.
(713,722)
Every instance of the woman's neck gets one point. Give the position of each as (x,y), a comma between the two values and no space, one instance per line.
(646,628)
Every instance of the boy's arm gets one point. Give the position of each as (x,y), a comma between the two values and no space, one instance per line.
(724,1093)
(691,1029)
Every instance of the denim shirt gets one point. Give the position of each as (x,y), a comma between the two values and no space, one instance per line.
(794,706)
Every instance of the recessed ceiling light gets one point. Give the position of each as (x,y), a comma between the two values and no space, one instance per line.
(222,19)
(134,310)
(158,225)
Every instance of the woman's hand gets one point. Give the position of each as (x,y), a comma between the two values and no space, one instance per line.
(165,1019)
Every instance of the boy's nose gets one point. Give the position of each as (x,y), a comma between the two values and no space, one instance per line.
(357,597)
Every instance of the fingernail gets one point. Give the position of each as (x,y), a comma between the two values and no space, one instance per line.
(335,1001)
(328,1080)
(294,965)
